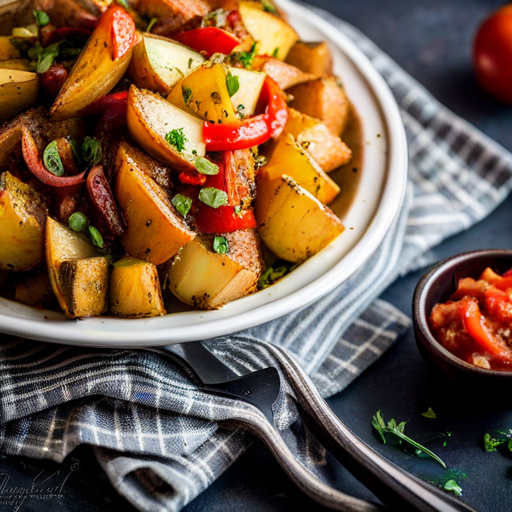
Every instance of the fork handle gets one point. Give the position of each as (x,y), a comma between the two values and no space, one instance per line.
(394,486)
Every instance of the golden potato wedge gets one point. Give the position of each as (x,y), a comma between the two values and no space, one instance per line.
(314,58)
(206,280)
(17,64)
(284,74)
(8,50)
(158,63)
(291,222)
(93,75)
(18,91)
(84,285)
(150,118)
(289,158)
(204,93)
(273,34)
(328,150)
(324,99)
(34,290)
(22,218)
(62,244)
(248,93)
(155,231)
(135,289)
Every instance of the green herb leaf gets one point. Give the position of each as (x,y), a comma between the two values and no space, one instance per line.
(74,149)
(429,414)
(45,57)
(232,84)
(151,24)
(182,203)
(78,221)
(220,245)
(91,150)
(238,211)
(204,166)
(124,3)
(260,161)
(213,197)
(187,92)
(397,430)
(271,275)
(241,109)
(176,138)
(96,237)
(42,19)
(51,159)
(490,443)
(247,58)
(269,7)
(453,486)
(275,53)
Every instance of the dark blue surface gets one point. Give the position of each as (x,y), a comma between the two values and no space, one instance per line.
(431,39)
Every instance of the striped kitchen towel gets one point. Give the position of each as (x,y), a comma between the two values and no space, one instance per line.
(154,431)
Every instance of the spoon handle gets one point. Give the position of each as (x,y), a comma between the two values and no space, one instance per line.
(394,486)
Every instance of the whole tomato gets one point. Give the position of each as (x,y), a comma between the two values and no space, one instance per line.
(492,54)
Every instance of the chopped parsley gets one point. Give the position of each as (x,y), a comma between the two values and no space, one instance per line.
(123,3)
(490,443)
(187,93)
(204,166)
(151,24)
(247,58)
(275,53)
(42,19)
(453,486)
(397,431)
(276,272)
(91,150)
(232,84)
(51,159)
(44,57)
(182,203)
(240,109)
(220,245)
(268,6)
(176,138)
(429,414)
(213,197)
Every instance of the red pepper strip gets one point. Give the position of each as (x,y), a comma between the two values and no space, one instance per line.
(254,131)
(508,273)
(192,179)
(73,34)
(473,322)
(223,219)
(101,105)
(501,282)
(36,167)
(124,32)
(208,40)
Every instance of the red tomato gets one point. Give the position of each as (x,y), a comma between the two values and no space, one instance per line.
(492,54)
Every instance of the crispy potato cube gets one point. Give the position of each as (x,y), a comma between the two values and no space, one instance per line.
(273,34)
(62,244)
(93,75)
(314,58)
(158,63)
(155,231)
(18,91)
(328,150)
(292,223)
(84,284)
(150,118)
(22,218)
(324,99)
(206,280)
(135,289)
(248,94)
(289,158)
(284,74)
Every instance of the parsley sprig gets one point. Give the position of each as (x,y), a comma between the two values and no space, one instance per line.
(177,138)
(397,430)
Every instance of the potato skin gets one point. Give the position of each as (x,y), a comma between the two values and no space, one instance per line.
(18,91)
(314,58)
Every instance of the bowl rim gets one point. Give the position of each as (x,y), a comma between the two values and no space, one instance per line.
(421,325)
(388,206)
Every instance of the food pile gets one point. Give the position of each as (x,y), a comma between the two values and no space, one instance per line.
(155,145)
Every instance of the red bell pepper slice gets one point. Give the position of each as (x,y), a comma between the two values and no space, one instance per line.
(474,323)
(192,179)
(223,219)
(123,30)
(208,40)
(502,282)
(36,167)
(253,131)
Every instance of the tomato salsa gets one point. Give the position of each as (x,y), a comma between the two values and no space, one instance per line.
(475,324)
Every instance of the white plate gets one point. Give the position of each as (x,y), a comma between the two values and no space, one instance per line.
(376,204)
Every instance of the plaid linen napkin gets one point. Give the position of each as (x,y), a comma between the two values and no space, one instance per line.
(158,437)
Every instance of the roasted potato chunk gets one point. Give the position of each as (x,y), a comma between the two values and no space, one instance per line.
(158,63)
(273,34)
(246,98)
(62,244)
(17,64)
(135,289)
(18,91)
(206,280)
(8,50)
(284,74)
(150,118)
(289,158)
(154,230)
(314,58)
(324,99)
(292,223)
(328,150)
(22,218)
(84,285)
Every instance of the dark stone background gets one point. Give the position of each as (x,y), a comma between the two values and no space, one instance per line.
(432,40)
